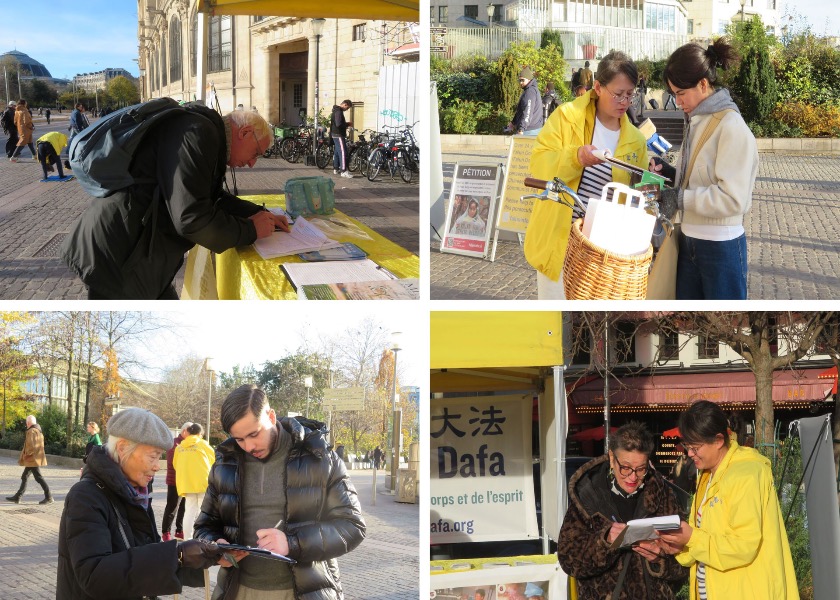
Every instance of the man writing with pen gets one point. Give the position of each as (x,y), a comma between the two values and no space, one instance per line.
(278,471)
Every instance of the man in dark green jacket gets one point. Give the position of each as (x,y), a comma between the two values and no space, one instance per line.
(277,485)
(131,244)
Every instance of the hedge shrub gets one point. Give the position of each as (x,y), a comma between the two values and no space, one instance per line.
(812,121)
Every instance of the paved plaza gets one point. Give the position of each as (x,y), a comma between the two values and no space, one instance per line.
(35,217)
(792,237)
(384,567)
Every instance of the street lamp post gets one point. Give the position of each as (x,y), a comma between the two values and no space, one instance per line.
(491,11)
(208,368)
(307,382)
(317,28)
(743,3)
(395,416)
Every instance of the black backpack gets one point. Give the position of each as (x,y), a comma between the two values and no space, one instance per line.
(101,155)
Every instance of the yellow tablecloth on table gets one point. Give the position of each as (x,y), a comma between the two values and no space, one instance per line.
(242,274)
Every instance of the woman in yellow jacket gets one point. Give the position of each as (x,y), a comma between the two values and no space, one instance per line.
(735,540)
(596,120)
(192,461)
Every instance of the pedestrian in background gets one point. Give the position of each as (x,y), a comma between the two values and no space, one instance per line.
(735,540)
(78,121)
(338,133)
(25,126)
(47,113)
(586,78)
(192,461)
(174,505)
(549,100)
(9,128)
(32,458)
(93,438)
(108,545)
(528,118)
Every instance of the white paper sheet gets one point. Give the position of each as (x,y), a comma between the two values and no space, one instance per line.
(335,272)
(304,237)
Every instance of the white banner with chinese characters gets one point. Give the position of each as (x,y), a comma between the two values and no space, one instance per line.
(482,485)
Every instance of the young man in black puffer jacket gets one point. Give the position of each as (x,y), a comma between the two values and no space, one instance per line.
(276,484)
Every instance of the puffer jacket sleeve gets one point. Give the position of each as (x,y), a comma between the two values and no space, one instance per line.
(209,525)
(100,567)
(340,528)
(738,544)
(583,550)
(186,169)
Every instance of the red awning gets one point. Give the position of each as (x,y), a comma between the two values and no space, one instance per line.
(830,374)
(673,432)
(595,433)
(727,387)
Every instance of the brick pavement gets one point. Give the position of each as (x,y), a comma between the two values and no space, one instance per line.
(35,217)
(384,567)
(792,236)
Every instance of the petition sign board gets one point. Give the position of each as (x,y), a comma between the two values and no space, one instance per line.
(481,468)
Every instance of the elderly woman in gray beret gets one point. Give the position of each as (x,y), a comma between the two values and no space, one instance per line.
(108,545)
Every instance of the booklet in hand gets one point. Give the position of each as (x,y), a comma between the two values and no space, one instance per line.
(260,552)
(639,530)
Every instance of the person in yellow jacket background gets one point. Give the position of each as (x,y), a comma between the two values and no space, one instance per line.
(735,540)
(49,149)
(596,120)
(192,461)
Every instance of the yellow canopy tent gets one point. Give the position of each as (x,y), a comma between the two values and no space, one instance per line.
(506,351)
(389,10)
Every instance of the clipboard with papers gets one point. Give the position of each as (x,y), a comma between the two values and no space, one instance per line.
(259,552)
(303,237)
(639,530)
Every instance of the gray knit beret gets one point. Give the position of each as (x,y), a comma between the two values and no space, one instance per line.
(141,426)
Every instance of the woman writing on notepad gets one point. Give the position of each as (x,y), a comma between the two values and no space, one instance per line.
(604,494)
(735,540)
(595,121)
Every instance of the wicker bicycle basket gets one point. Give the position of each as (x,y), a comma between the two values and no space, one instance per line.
(593,273)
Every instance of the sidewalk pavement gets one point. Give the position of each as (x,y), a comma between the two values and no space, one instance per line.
(792,232)
(384,567)
(35,217)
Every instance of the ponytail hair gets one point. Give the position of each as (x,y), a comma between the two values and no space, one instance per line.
(691,63)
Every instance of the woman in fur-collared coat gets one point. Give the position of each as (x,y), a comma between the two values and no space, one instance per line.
(603,495)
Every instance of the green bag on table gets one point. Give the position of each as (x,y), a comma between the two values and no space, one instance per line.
(310,196)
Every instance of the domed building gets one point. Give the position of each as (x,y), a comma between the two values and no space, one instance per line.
(29,67)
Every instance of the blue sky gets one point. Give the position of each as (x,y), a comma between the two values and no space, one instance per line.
(72,37)
(816,12)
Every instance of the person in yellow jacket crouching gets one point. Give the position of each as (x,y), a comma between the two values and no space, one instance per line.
(735,540)
(49,151)
(596,120)
(192,461)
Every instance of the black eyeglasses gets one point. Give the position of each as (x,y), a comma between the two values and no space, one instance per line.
(625,470)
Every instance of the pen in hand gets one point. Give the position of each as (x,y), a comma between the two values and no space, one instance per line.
(279,525)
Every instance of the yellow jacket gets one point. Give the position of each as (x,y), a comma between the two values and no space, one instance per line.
(192,461)
(555,155)
(742,539)
(56,139)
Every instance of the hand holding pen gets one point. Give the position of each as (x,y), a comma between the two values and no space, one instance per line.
(273,539)
(615,529)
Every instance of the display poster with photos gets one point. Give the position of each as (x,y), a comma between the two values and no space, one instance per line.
(472,203)
(481,467)
(527,582)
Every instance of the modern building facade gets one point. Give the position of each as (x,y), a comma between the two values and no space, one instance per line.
(275,63)
(710,18)
(100,79)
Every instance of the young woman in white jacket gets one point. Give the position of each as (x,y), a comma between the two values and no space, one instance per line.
(714,178)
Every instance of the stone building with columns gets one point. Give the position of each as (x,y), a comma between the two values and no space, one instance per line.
(272,63)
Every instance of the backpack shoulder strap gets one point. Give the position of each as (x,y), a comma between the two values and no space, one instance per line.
(117,514)
(704,137)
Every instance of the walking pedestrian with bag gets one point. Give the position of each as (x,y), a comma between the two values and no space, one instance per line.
(32,458)
(714,180)
(9,128)
(174,510)
(25,126)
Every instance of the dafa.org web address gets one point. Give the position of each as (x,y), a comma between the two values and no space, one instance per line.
(486,497)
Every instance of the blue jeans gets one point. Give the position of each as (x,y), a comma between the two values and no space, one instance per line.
(339,153)
(712,270)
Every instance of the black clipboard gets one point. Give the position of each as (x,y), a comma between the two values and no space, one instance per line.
(260,552)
